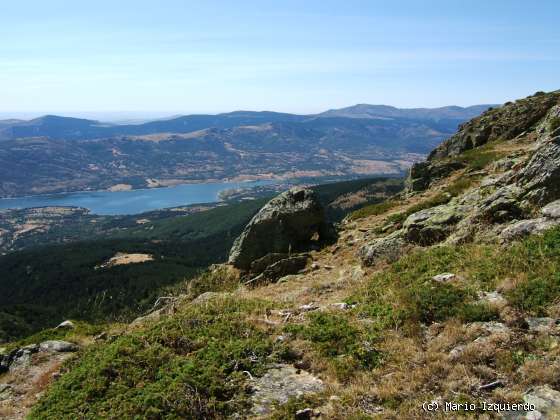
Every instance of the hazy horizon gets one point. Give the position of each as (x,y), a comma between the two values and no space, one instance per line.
(117,116)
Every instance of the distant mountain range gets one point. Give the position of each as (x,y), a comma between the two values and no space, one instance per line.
(57,154)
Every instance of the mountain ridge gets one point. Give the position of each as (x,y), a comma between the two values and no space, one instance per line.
(61,126)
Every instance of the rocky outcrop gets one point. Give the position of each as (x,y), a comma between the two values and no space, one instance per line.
(285,224)
(504,123)
(502,207)
(22,356)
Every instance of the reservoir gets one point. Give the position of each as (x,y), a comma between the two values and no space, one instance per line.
(131,202)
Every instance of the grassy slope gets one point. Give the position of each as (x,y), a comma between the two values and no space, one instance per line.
(201,352)
(374,355)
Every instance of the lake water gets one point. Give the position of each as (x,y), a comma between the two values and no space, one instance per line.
(131,202)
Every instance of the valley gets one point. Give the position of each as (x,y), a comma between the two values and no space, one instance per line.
(56,154)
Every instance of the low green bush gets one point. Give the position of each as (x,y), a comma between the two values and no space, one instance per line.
(195,364)
(554,123)
(372,210)
(347,346)
(477,312)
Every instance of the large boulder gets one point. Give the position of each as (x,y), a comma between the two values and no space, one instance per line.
(389,249)
(286,223)
(540,178)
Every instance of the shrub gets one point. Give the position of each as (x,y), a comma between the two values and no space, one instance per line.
(435,302)
(554,124)
(218,280)
(191,365)
(477,312)
(478,158)
(535,294)
(459,186)
(335,338)
(372,210)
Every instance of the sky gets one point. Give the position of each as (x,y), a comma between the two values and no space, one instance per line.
(156,58)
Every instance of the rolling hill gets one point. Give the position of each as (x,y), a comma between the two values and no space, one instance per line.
(59,154)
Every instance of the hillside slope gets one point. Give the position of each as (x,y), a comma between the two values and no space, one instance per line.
(446,293)
(57,154)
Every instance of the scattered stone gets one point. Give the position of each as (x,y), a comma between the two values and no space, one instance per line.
(543,325)
(305,414)
(58,346)
(66,325)
(328,267)
(342,306)
(279,384)
(444,277)
(286,223)
(456,352)
(309,307)
(315,266)
(101,336)
(493,298)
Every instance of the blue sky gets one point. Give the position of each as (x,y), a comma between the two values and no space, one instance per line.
(167,57)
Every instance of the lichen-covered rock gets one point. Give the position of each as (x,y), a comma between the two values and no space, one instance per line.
(551,210)
(501,206)
(284,267)
(66,325)
(503,123)
(546,402)
(540,177)
(286,223)
(389,248)
(58,346)
(280,384)
(433,225)
(525,228)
